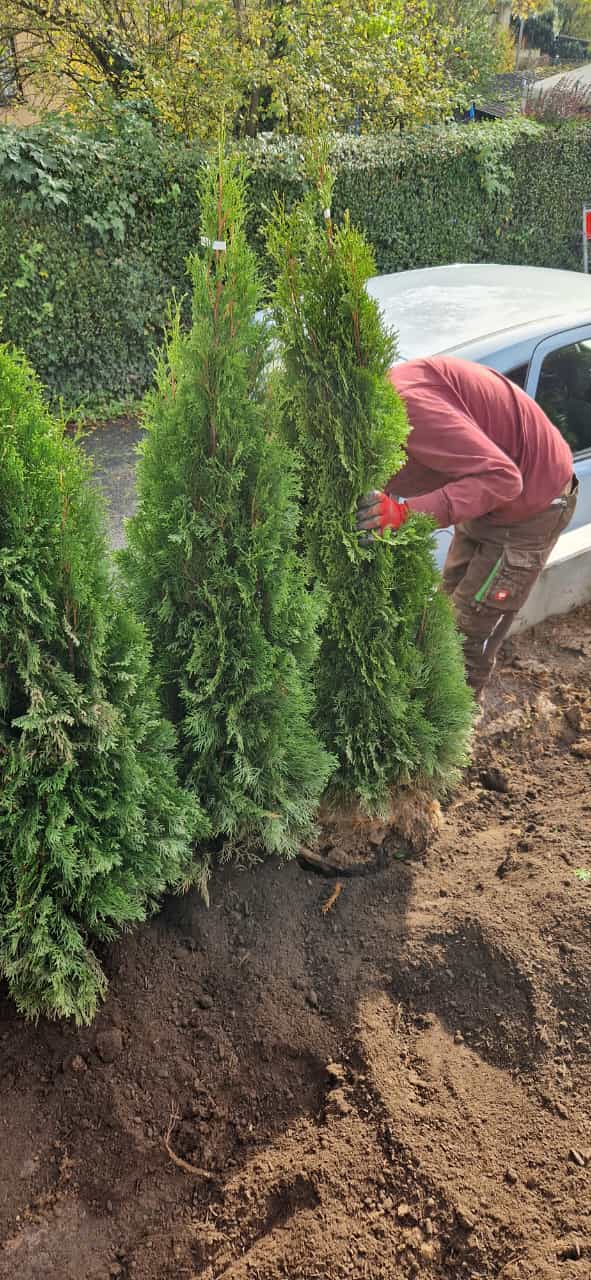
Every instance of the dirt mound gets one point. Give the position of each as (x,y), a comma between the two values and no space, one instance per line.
(399,1086)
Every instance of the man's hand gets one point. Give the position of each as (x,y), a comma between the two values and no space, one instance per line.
(378,512)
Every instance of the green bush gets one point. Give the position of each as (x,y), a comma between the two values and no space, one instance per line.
(93,824)
(212,558)
(392,701)
(95,232)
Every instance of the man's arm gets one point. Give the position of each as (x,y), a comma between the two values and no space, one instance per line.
(486,477)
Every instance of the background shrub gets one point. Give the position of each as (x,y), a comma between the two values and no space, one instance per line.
(95,231)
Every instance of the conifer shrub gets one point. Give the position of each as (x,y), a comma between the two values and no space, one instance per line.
(392,702)
(212,557)
(93,823)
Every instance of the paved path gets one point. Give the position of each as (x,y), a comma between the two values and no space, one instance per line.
(581,75)
(112,449)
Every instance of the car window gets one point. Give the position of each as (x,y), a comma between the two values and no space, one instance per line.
(518,375)
(564,392)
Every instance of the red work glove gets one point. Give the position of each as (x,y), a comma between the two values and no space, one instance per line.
(378,512)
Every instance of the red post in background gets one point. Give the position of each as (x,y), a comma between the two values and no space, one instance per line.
(586,236)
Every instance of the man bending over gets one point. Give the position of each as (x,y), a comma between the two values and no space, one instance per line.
(483,457)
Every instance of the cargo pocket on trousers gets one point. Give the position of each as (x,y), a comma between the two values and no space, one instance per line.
(509,582)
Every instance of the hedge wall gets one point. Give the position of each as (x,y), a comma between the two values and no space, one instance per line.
(94,232)
(93,235)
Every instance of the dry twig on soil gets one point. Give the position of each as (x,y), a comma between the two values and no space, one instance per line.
(329,904)
(194,1170)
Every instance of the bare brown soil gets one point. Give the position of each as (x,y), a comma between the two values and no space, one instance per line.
(397,1087)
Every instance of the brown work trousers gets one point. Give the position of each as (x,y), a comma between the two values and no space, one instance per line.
(489,573)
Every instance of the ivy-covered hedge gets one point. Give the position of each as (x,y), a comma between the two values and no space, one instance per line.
(94,232)
(93,235)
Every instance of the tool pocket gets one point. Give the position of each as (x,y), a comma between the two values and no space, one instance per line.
(509,582)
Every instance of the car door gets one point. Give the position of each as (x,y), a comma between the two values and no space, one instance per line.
(559,378)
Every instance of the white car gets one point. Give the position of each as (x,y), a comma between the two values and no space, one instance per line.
(531,323)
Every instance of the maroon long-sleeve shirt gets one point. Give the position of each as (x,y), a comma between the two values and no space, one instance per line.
(478,445)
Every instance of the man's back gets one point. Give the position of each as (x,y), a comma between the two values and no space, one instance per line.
(478,444)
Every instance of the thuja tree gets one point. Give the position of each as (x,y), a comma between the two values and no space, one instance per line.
(93,824)
(212,554)
(392,702)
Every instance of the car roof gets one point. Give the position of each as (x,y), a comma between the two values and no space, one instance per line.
(477,309)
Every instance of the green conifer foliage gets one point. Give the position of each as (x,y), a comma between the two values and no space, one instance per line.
(93,824)
(212,558)
(392,701)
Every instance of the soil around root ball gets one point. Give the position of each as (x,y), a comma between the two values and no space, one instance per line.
(350,843)
(386,1082)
